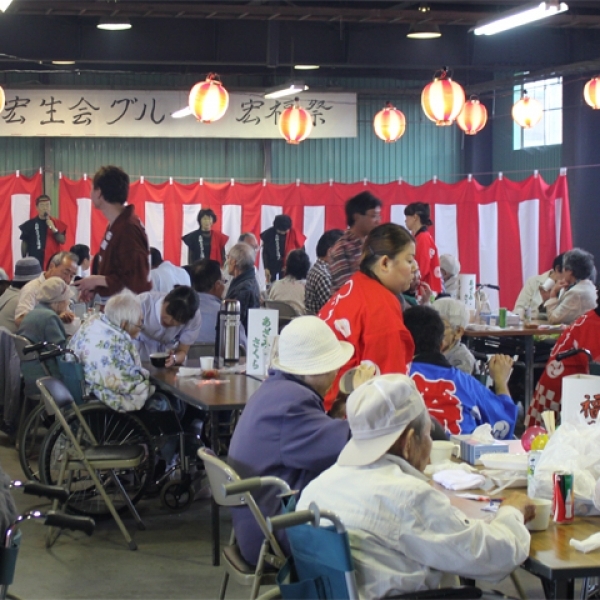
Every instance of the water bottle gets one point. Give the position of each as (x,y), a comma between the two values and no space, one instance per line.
(228,340)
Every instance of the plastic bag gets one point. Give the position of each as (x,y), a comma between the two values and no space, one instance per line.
(573,449)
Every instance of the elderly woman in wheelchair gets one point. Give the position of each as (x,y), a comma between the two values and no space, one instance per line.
(114,374)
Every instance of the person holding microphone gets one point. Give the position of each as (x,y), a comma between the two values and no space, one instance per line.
(42,236)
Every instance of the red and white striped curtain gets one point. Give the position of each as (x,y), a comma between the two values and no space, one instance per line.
(504,233)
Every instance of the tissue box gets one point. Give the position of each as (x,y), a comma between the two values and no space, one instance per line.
(471,450)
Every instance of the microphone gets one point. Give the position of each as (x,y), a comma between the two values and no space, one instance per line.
(488,285)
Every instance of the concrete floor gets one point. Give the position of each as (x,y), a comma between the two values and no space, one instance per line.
(173,559)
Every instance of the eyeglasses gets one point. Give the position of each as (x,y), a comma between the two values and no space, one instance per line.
(139,326)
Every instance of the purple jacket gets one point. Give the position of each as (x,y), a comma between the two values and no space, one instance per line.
(285,432)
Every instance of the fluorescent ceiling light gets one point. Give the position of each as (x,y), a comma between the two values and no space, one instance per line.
(423,31)
(519,16)
(114,24)
(4,4)
(63,62)
(287,89)
(306,67)
(182,112)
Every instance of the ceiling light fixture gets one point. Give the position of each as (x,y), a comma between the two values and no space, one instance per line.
(63,62)
(423,31)
(114,24)
(519,16)
(4,4)
(182,112)
(287,89)
(306,67)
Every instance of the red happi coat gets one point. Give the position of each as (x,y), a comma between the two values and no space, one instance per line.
(429,260)
(582,333)
(366,314)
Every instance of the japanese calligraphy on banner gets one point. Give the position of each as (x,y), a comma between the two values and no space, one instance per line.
(146,113)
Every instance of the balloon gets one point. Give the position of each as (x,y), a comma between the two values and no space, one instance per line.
(539,441)
(528,436)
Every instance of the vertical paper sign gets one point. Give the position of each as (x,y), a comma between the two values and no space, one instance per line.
(466,289)
(262,327)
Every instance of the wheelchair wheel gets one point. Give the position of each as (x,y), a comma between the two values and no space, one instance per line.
(177,495)
(109,428)
(30,440)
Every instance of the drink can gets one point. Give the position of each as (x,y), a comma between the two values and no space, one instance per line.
(563,498)
(502,318)
(532,459)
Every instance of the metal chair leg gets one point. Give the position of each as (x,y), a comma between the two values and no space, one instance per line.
(223,586)
(132,508)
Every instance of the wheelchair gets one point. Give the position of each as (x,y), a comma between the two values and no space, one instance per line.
(11,539)
(145,428)
(50,360)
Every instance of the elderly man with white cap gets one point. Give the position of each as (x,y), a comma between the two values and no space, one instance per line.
(404,534)
(284,430)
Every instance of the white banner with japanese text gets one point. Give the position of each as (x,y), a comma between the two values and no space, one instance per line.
(147,113)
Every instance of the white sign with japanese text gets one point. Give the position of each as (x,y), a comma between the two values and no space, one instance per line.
(262,330)
(147,113)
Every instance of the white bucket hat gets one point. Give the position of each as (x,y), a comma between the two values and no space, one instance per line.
(307,346)
(378,412)
(450,264)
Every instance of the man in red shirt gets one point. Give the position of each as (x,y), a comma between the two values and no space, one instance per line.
(124,252)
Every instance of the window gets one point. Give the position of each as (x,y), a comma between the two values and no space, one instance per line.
(548,131)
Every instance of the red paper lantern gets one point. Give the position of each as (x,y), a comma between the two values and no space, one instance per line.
(527,112)
(591,92)
(389,124)
(295,123)
(442,99)
(208,99)
(473,117)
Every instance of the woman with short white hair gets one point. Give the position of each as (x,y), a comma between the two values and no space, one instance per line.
(111,363)
(455,316)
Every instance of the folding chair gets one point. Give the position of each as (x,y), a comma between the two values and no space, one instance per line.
(321,564)
(286,311)
(228,489)
(82,453)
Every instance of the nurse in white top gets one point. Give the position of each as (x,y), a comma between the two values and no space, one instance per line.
(171,323)
(404,534)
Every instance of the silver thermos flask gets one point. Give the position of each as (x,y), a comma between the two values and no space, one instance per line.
(229,332)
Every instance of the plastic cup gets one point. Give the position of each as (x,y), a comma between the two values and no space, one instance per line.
(543,508)
(207,363)
(441,451)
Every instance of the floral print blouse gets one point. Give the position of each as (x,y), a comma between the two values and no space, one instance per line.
(112,365)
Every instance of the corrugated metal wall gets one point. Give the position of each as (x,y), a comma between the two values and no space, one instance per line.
(424,151)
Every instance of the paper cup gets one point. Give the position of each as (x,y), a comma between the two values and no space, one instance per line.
(441,451)
(543,508)
(207,363)
(548,284)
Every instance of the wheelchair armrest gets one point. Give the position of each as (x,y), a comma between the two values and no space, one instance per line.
(254,483)
(454,593)
(75,523)
(54,492)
